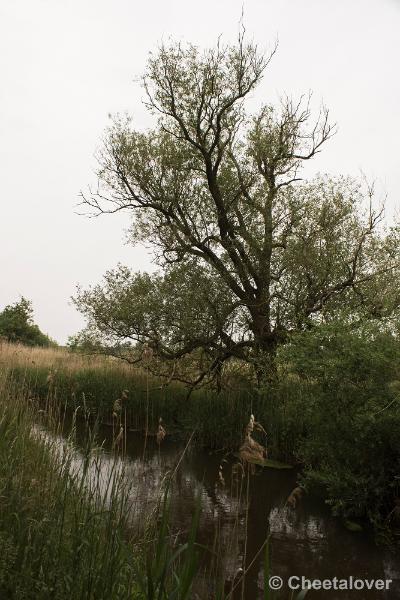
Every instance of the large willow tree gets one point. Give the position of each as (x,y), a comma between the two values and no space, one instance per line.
(247,250)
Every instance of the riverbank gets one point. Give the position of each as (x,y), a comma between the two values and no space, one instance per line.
(58,537)
(80,519)
(334,410)
(235,513)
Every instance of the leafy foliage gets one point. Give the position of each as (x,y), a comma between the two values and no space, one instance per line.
(16,325)
(350,445)
(248,252)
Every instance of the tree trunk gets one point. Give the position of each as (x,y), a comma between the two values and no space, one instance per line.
(265,366)
(265,348)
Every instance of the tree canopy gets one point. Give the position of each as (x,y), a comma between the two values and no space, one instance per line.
(247,250)
(17,325)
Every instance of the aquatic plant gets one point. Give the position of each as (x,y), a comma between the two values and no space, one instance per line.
(63,533)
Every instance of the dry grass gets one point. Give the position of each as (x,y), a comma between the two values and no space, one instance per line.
(251,451)
(17,355)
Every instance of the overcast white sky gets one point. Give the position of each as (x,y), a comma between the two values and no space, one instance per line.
(66,64)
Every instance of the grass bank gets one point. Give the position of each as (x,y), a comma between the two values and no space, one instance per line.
(59,537)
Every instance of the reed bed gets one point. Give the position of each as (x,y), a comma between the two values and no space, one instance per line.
(66,522)
(101,383)
(65,526)
(59,536)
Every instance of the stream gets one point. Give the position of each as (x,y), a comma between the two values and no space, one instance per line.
(238,510)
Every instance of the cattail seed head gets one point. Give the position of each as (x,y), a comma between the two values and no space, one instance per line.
(161,433)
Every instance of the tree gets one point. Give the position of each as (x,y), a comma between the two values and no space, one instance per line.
(247,251)
(16,325)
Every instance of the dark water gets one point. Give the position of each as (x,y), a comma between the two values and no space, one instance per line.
(305,541)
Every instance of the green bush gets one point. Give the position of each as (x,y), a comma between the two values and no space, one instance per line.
(351,441)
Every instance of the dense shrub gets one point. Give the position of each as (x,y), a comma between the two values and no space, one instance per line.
(351,443)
